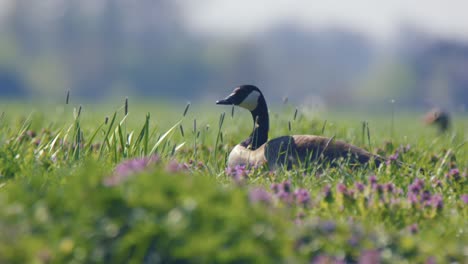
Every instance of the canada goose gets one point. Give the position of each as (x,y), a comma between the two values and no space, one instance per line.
(286,150)
(439,118)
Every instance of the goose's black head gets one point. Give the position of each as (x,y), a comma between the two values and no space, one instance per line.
(246,96)
(250,98)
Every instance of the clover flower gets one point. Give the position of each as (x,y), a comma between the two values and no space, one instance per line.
(414,228)
(453,174)
(369,257)
(260,195)
(174,166)
(359,186)
(464,198)
(437,201)
(302,196)
(392,158)
(373,179)
(127,168)
(239,173)
(416,187)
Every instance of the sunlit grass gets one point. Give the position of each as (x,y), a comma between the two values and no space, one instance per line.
(172,199)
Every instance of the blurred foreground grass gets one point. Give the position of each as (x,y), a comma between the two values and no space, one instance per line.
(152,187)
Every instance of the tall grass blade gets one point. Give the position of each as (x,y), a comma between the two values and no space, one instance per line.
(179,146)
(182,130)
(126,106)
(368,135)
(323,127)
(91,139)
(146,142)
(142,137)
(67,99)
(186,109)
(54,141)
(163,136)
(106,136)
(220,125)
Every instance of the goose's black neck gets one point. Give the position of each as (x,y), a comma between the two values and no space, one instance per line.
(259,135)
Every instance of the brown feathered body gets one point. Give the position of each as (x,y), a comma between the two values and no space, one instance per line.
(289,151)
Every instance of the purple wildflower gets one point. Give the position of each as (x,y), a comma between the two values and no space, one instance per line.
(412,198)
(284,192)
(464,198)
(200,165)
(431,260)
(341,188)
(417,186)
(419,182)
(373,179)
(359,186)
(379,188)
(437,201)
(353,241)
(285,197)
(302,196)
(437,183)
(394,201)
(453,174)
(426,196)
(369,257)
(324,259)
(454,171)
(389,187)
(275,187)
(127,168)
(238,173)
(281,187)
(328,227)
(174,166)
(392,158)
(414,188)
(257,195)
(413,228)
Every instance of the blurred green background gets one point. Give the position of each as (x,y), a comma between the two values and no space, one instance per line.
(316,54)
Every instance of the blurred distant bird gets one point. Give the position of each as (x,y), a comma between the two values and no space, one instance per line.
(439,118)
(286,150)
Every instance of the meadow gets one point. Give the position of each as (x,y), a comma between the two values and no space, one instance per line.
(148,183)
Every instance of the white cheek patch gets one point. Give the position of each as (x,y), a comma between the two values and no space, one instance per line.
(251,101)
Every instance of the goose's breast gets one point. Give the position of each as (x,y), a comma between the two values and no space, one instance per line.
(241,155)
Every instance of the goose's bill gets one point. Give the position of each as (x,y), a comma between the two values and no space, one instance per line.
(225,101)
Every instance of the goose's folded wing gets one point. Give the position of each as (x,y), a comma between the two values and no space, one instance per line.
(331,149)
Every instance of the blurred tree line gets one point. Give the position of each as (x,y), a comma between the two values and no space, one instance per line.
(99,48)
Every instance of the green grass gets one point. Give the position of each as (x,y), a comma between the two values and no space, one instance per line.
(63,199)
